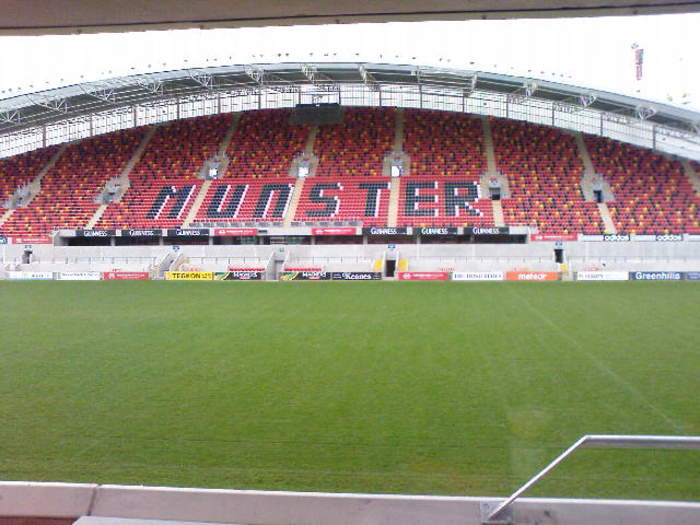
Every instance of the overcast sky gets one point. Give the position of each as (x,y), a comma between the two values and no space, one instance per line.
(589,52)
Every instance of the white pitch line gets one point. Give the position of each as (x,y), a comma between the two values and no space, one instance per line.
(602,367)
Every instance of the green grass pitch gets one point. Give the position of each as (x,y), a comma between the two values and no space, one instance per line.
(429,388)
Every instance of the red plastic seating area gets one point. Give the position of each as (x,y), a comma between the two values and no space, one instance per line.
(442,201)
(652,193)
(167,174)
(363,199)
(21,169)
(264,144)
(356,147)
(447,160)
(303,269)
(544,175)
(444,144)
(69,189)
(253,200)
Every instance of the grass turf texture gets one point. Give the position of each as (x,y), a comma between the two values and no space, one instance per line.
(437,388)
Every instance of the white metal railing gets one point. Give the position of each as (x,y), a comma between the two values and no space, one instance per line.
(497,513)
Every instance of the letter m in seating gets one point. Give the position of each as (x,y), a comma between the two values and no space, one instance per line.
(171,196)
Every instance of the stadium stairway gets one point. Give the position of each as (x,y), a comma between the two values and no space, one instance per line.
(692,175)
(488,143)
(294,201)
(298,190)
(123,179)
(204,188)
(198,201)
(96,217)
(607,218)
(394,196)
(398,130)
(35,185)
(498,219)
(589,175)
(492,173)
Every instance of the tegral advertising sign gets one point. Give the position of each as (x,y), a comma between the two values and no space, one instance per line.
(189,232)
(125,276)
(189,276)
(30,276)
(389,230)
(348,230)
(532,276)
(602,276)
(305,276)
(238,275)
(656,276)
(692,276)
(554,237)
(78,276)
(235,232)
(478,276)
(356,276)
(31,239)
(424,276)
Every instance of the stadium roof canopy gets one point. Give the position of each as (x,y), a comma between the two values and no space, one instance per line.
(39,17)
(70,113)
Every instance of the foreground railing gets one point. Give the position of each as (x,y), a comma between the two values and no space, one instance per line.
(499,513)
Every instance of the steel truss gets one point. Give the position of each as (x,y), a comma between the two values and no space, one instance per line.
(37,120)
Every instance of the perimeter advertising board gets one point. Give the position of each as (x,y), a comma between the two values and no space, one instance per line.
(656,276)
(423,276)
(438,231)
(30,276)
(95,233)
(692,276)
(78,276)
(305,276)
(389,230)
(238,275)
(141,233)
(188,232)
(478,276)
(608,237)
(487,231)
(125,276)
(235,232)
(532,276)
(356,276)
(4,240)
(551,237)
(602,276)
(31,239)
(334,231)
(189,276)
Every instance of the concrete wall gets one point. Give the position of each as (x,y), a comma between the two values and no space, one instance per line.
(681,256)
(18,499)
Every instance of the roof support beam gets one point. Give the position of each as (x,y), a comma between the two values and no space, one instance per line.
(202,78)
(59,105)
(152,85)
(368,78)
(11,117)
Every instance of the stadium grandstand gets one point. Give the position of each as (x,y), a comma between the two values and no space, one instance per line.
(352,396)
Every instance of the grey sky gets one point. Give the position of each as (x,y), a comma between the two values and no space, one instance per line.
(591,52)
